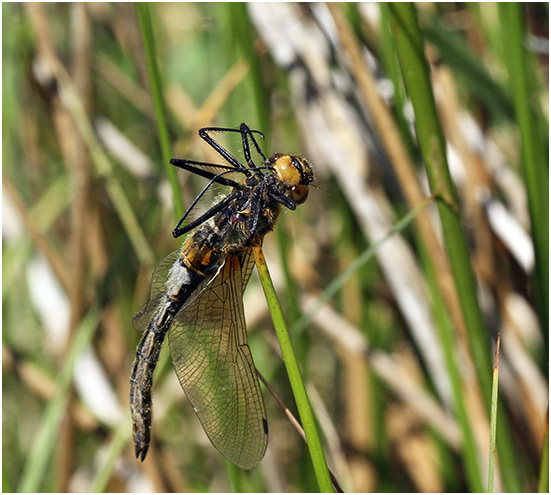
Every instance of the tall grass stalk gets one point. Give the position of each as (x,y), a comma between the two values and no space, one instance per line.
(543,484)
(158,100)
(101,161)
(235,477)
(410,49)
(242,32)
(535,157)
(415,71)
(493,420)
(444,327)
(445,330)
(295,377)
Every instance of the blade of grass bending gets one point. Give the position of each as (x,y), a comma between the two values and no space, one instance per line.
(493,420)
(158,101)
(45,440)
(415,71)
(295,377)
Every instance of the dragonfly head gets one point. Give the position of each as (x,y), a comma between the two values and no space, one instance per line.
(295,173)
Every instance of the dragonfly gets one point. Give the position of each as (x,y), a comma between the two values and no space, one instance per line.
(196,298)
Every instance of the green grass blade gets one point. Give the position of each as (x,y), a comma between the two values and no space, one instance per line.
(415,71)
(392,68)
(158,101)
(242,32)
(409,46)
(45,440)
(445,329)
(543,485)
(235,477)
(295,377)
(493,421)
(102,164)
(535,158)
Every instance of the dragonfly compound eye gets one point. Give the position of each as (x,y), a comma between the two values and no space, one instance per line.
(299,193)
(286,170)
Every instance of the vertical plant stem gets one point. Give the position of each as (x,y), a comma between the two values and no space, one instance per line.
(435,281)
(235,477)
(543,485)
(409,46)
(158,100)
(243,34)
(415,71)
(295,377)
(493,420)
(535,161)
(469,452)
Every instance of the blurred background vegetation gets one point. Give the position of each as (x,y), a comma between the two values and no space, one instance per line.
(398,362)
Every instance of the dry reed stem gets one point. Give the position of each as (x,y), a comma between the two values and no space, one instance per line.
(477,179)
(173,472)
(75,156)
(192,118)
(154,469)
(82,228)
(357,390)
(415,449)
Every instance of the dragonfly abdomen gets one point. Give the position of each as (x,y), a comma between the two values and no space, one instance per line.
(181,284)
(141,380)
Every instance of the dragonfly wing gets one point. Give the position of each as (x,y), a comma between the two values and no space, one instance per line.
(247,265)
(157,290)
(208,343)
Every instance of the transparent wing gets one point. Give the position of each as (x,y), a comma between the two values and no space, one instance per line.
(157,290)
(247,265)
(208,343)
